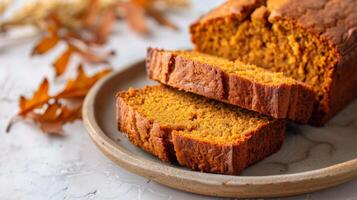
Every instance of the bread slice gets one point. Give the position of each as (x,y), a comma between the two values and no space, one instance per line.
(196,132)
(313,41)
(247,86)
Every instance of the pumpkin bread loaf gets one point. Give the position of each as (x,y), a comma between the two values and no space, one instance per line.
(245,85)
(313,41)
(196,132)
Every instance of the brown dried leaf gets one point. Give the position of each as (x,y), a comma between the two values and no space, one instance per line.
(47,120)
(45,44)
(92,57)
(53,23)
(105,26)
(49,115)
(135,15)
(71,115)
(142,3)
(79,87)
(52,128)
(135,10)
(49,41)
(55,116)
(90,16)
(171,4)
(96,58)
(158,16)
(39,98)
(61,62)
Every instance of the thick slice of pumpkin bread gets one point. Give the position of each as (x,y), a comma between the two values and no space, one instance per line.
(247,86)
(313,41)
(196,132)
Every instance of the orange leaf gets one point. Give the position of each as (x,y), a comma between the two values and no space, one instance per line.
(91,56)
(52,128)
(55,116)
(49,41)
(160,19)
(135,15)
(91,13)
(69,115)
(61,62)
(142,3)
(53,22)
(105,26)
(50,114)
(39,98)
(79,87)
(46,44)
(95,58)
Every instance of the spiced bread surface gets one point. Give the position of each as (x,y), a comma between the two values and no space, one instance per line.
(313,41)
(196,132)
(240,84)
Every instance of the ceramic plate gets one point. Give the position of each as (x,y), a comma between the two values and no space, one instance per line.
(310,159)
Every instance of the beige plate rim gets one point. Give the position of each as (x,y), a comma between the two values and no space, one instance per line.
(205,183)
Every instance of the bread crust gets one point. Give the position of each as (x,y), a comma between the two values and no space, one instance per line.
(230,158)
(291,101)
(145,134)
(170,146)
(334,22)
(240,9)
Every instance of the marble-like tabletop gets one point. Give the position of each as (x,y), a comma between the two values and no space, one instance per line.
(35,166)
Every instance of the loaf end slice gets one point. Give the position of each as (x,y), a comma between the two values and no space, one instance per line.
(312,41)
(196,132)
(244,85)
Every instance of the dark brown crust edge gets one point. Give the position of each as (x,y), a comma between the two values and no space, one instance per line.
(284,101)
(170,146)
(239,10)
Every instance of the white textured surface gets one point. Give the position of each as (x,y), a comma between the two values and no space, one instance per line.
(34,166)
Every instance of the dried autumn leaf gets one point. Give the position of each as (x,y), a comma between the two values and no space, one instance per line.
(174,3)
(61,62)
(79,87)
(142,3)
(160,19)
(92,57)
(39,98)
(51,116)
(91,13)
(55,116)
(96,58)
(135,16)
(51,39)
(105,26)
(134,11)
(48,119)
(53,23)
(70,115)
(45,44)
